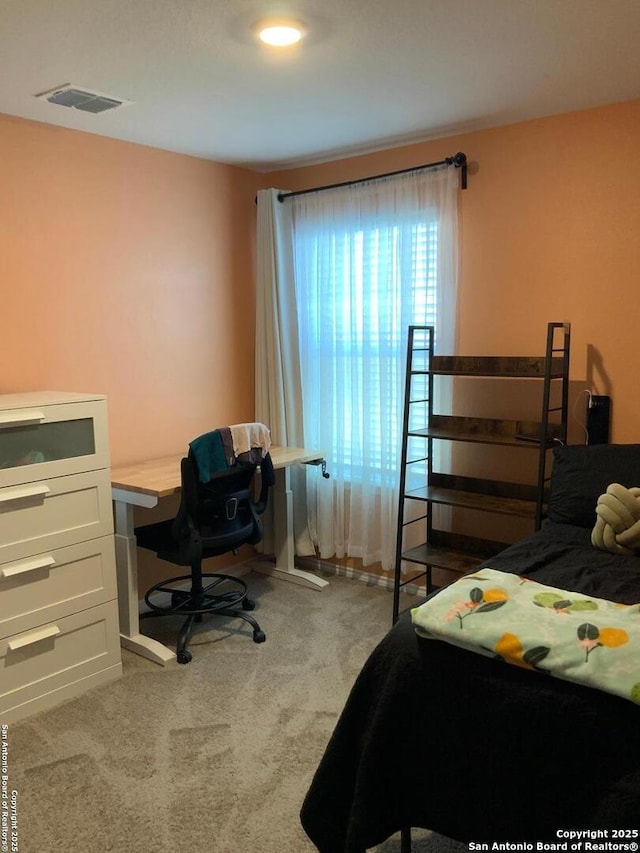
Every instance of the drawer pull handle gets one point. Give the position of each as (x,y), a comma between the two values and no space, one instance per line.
(13,569)
(9,419)
(33,637)
(21,492)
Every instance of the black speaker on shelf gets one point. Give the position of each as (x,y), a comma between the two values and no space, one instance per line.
(598,419)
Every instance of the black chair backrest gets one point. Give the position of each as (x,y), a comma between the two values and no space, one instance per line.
(222,513)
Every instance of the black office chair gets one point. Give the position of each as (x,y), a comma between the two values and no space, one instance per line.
(214,517)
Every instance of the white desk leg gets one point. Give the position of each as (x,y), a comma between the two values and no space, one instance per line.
(283,538)
(127,571)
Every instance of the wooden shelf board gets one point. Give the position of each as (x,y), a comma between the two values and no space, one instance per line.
(478,437)
(473,500)
(487,375)
(413,578)
(496,367)
(441,558)
(483,486)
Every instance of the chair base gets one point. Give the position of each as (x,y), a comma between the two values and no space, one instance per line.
(224,595)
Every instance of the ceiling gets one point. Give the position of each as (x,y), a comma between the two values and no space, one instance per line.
(369,74)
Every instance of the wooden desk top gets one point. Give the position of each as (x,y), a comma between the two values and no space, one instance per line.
(161,477)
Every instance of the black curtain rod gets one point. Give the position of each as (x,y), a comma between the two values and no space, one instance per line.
(458,160)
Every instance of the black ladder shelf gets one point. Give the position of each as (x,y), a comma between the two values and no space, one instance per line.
(419,542)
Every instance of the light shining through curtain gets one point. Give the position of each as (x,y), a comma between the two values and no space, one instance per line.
(354,335)
(369,261)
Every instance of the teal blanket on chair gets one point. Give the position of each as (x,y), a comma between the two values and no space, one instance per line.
(565,634)
(212,454)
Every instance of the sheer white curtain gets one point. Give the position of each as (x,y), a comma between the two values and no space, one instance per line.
(370,260)
(278,397)
(341,275)
(278,387)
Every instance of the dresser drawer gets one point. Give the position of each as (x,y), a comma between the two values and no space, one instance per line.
(43,441)
(41,666)
(38,516)
(55,584)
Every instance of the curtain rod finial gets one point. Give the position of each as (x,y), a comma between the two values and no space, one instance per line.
(457,160)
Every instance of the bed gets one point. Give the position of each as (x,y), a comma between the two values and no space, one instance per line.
(472,748)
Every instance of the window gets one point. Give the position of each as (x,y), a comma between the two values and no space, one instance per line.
(358,291)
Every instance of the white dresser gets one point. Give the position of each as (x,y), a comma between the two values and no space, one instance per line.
(59,633)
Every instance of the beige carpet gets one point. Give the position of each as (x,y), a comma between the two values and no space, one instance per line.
(212,757)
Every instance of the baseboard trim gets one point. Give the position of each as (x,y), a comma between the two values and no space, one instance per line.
(325,567)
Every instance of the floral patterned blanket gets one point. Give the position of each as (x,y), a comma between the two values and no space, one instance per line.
(578,638)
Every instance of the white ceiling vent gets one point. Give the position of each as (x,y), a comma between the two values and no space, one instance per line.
(82,99)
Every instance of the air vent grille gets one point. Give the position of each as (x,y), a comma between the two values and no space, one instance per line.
(82,99)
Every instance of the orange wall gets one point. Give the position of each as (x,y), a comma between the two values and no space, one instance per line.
(550,231)
(127,271)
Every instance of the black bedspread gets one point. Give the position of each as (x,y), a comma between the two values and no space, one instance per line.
(475,749)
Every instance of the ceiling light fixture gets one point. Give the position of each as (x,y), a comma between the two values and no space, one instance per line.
(280,33)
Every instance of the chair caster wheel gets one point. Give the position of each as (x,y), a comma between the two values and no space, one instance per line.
(248,604)
(184,656)
(259,636)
